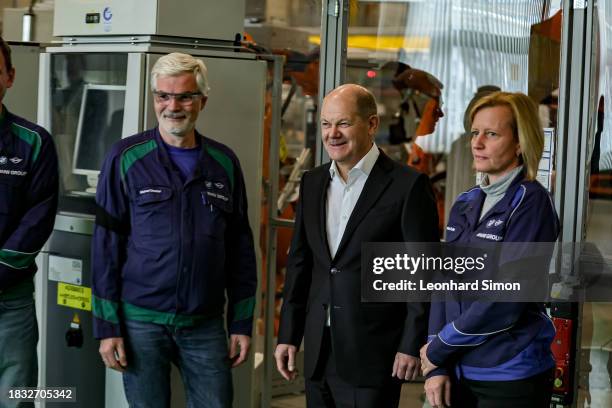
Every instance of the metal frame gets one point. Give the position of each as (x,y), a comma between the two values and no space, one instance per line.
(127,47)
(160,40)
(40,293)
(334,35)
(571,188)
(40,279)
(573,117)
(585,130)
(271,234)
(44,93)
(133,97)
(562,117)
(581,193)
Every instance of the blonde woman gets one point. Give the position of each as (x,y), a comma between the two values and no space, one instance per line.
(496,354)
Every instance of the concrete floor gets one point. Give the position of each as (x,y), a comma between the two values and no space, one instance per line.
(411,397)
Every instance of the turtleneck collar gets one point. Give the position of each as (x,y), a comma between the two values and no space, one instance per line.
(501,185)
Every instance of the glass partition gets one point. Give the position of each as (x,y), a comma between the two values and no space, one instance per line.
(290,30)
(596,335)
(425,61)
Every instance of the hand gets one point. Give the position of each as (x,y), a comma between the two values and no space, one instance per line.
(112,352)
(405,367)
(438,391)
(285,361)
(426,365)
(242,342)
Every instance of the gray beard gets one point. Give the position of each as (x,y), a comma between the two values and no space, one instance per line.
(182,131)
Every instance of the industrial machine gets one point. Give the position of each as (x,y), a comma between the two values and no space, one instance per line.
(94,88)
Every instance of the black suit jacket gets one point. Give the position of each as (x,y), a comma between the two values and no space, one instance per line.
(396,204)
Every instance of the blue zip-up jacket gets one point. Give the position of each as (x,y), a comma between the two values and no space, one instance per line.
(495,341)
(28,200)
(168,251)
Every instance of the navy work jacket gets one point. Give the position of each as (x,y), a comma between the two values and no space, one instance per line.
(28,200)
(490,341)
(168,251)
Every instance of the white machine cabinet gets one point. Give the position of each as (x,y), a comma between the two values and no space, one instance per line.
(210,19)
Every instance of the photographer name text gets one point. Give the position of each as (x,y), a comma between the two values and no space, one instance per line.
(421,285)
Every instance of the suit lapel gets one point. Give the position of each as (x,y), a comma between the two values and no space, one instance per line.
(323,185)
(376,183)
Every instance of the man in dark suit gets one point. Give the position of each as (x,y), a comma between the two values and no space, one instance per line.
(356,353)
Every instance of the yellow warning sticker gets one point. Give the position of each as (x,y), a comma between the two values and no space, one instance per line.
(76,297)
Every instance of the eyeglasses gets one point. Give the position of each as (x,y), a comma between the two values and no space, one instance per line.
(185,98)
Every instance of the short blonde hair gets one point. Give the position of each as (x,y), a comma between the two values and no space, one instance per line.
(525,125)
(178,63)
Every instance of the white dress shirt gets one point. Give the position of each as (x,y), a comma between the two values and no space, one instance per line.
(342,197)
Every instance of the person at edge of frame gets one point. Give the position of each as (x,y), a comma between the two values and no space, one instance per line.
(29,183)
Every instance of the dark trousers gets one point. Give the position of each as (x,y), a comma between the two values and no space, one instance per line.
(327,390)
(532,392)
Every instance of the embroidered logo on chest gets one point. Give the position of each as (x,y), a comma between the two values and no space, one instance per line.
(494,223)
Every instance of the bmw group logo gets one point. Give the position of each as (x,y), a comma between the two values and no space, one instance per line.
(3,159)
(494,222)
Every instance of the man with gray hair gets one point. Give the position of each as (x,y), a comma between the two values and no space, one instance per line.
(172,239)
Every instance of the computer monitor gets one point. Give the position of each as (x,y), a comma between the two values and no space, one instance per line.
(100,125)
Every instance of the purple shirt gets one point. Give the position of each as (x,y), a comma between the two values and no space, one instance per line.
(185,160)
